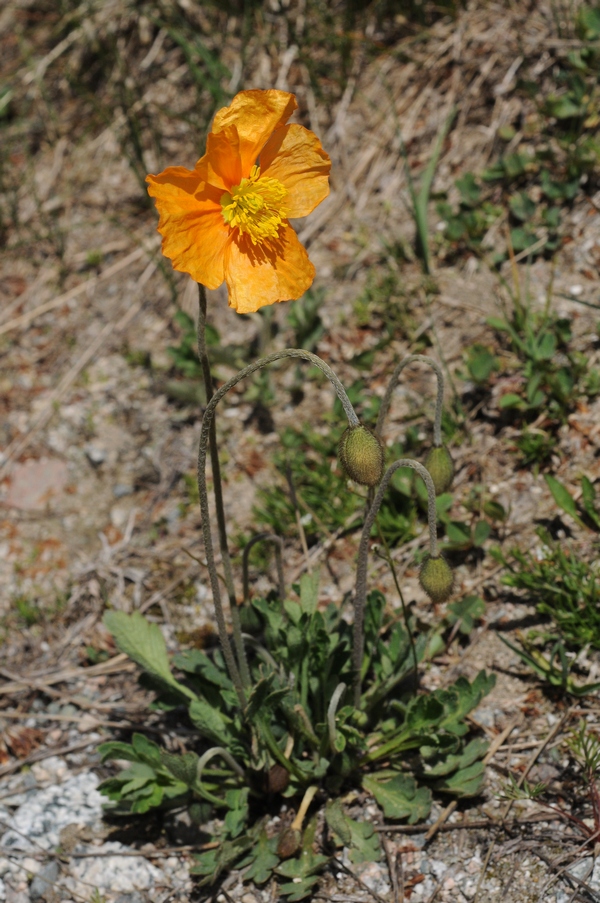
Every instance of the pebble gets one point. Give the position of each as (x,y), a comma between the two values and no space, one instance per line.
(43,817)
(95,454)
(44,881)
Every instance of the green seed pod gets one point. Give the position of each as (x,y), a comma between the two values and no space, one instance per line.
(361,454)
(437,579)
(441,467)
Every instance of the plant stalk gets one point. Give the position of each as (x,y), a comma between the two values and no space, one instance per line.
(439,401)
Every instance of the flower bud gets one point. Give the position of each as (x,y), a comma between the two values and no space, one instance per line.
(361,454)
(437,579)
(290,841)
(441,467)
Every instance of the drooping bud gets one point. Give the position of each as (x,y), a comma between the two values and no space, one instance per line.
(361,454)
(437,578)
(441,467)
(290,841)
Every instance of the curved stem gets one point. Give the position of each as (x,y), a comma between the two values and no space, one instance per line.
(306,801)
(360,592)
(205,432)
(331,710)
(264,537)
(217,751)
(385,404)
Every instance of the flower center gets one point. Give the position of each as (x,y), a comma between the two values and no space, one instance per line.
(255,206)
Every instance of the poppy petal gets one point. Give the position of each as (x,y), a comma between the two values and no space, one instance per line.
(191,223)
(259,275)
(255,115)
(294,156)
(221,165)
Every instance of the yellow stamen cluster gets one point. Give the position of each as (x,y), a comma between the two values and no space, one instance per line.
(255,206)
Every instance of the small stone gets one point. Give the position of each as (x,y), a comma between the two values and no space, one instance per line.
(95,455)
(121,490)
(43,883)
(133,897)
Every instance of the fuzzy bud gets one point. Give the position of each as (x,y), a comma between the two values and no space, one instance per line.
(441,467)
(361,454)
(437,579)
(290,841)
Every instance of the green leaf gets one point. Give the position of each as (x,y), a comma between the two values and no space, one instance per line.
(237,816)
(563,497)
(152,800)
(364,842)
(309,592)
(423,713)
(210,722)
(213,862)
(588,494)
(400,797)
(466,782)
(299,889)
(498,323)
(258,695)
(467,610)
(337,822)
(470,192)
(562,107)
(135,777)
(510,400)
(145,645)
(494,510)
(474,750)
(184,768)
(458,532)
(262,860)
(522,206)
(116,750)
(306,864)
(194,661)
(545,346)
(146,750)
(481,532)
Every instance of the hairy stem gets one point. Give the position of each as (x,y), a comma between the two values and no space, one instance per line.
(243,677)
(360,592)
(264,537)
(385,404)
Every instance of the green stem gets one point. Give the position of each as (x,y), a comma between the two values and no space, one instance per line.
(360,593)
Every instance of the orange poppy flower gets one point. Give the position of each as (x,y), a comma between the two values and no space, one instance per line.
(228,218)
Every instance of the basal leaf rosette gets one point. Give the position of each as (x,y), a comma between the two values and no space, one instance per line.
(228,218)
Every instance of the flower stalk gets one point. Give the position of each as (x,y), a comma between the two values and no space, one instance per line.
(218,493)
(395,378)
(278,542)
